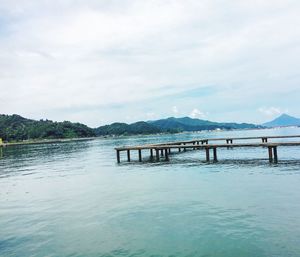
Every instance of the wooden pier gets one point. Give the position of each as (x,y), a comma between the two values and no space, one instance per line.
(156,151)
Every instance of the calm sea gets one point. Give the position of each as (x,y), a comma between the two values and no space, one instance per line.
(73,199)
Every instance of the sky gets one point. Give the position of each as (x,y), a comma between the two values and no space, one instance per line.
(102,61)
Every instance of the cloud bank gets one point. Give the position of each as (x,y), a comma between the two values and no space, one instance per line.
(102,61)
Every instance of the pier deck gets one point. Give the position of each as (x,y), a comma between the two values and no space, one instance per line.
(165,149)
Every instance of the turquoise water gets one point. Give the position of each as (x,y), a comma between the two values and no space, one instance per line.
(73,199)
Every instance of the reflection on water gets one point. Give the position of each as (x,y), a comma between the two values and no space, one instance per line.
(72,199)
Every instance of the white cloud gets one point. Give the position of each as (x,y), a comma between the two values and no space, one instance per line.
(271,111)
(58,56)
(150,115)
(175,110)
(196,113)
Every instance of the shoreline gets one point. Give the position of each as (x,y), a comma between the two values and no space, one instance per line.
(65,140)
(46,141)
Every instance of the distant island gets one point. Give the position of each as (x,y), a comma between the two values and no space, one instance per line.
(15,128)
(283,120)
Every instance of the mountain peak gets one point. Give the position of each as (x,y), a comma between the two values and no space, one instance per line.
(194,124)
(284,115)
(283,120)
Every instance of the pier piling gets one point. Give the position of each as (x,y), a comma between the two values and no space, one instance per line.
(270,150)
(275,154)
(207,154)
(157,154)
(128,155)
(215,154)
(162,152)
(167,154)
(151,153)
(118,156)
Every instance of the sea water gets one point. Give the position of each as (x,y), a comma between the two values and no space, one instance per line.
(73,199)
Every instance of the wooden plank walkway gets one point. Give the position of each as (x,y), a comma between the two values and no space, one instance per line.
(165,149)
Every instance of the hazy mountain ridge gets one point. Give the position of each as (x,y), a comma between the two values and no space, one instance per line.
(283,120)
(190,124)
(168,125)
(18,128)
(140,127)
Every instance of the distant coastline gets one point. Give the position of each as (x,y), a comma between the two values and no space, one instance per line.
(17,130)
(66,140)
(46,141)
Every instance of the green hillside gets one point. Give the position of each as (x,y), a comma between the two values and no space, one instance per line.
(189,124)
(17,128)
(169,125)
(128,129)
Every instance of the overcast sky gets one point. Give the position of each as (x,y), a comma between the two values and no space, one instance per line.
(98,61)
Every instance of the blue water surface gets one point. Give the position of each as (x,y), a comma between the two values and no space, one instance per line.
(73,199)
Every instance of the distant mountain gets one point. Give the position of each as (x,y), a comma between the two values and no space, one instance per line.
(127,129)
(283,120)
(169,125)
(18,128)
(189,124)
